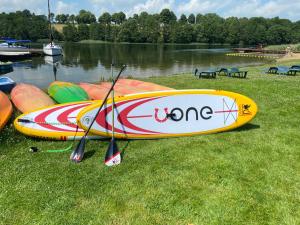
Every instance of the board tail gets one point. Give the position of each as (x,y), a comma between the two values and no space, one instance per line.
(113,155)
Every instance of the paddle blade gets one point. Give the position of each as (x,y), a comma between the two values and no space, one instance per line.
(113,155)
(77,154)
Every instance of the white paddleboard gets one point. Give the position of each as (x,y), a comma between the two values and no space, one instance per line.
(170,114)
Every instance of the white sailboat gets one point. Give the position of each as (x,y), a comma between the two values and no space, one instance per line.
(51,48)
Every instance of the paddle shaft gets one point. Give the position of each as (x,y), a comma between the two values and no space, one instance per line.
(113,102)
(105,99)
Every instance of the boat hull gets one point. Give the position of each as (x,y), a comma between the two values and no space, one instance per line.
(52,51)
(6,84)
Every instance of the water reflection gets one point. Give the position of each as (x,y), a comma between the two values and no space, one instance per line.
(91,62)
(53,61)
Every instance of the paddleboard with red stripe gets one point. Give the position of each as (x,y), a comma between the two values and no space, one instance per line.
(170,114)
(56,122)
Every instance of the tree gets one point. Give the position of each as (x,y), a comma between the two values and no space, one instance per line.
(212,28)
(23,25)
(61,18)
(182,33)
(183,19)
(191,18)
(83,31)
(105,18)
(199,18)
(70,33)
(85,17)
(72,19)
(167,16)
(118,18)
(129,31)
(232,26)
(149,28)
(279,34)
(254,31)
(97,31)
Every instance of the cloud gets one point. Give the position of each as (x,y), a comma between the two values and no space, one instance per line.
(66,8)
(225,8)
(266,9)
(152,6)
(196,6)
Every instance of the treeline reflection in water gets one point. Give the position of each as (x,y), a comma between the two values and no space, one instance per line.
(92,62)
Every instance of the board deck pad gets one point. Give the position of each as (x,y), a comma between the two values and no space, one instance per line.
(57,122)
(170,114)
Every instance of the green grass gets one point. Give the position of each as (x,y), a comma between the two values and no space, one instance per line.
(294,47)
(246,176)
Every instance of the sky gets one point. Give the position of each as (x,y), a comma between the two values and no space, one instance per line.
(225,8)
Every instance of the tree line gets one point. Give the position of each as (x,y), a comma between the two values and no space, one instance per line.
(163,27)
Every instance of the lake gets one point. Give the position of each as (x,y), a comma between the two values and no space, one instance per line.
(92,62)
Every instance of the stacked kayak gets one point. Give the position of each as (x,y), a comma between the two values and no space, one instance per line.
(28,98)
(65,92)
(6,84)
(5,109)
(122,87)
(143,86)
(96,91)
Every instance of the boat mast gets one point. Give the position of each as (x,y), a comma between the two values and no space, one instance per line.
(50,28)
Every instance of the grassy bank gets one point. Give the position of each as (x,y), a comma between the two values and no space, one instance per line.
(246,176)
(294,47)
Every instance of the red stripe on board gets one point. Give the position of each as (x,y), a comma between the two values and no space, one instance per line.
(64,117)
(41,118)
(123,116)
(133,117)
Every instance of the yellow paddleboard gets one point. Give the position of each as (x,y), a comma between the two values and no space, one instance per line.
(169,114)
(56,122)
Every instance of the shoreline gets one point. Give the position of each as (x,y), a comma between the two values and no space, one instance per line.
(289,57)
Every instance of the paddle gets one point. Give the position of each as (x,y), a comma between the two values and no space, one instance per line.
(78,153)
(113,155)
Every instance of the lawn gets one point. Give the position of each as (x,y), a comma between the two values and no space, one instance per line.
(250,175)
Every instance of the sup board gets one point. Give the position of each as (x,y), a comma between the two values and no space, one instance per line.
(65,92)
(170,114)
(28,98)
(56,122)
(5,109)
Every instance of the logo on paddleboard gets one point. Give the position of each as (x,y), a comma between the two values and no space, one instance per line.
(87,120)
(177,114)
(245,110)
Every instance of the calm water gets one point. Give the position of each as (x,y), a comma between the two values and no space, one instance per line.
(91,62)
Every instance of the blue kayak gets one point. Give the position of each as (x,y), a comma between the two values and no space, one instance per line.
(6,84)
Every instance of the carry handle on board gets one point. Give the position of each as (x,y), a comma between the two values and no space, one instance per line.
(78,153)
